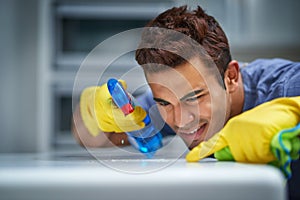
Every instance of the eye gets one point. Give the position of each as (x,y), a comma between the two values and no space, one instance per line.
(195,98)
(163,103)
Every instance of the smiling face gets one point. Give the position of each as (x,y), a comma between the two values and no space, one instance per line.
(194,109)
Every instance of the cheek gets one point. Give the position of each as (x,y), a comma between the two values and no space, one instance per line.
(203,109)
(166,114)
(163,112)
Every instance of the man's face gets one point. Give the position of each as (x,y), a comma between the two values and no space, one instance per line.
(191,107)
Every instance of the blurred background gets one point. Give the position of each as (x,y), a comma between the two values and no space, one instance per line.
(43,43)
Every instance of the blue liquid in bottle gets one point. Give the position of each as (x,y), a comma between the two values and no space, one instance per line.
(148,139)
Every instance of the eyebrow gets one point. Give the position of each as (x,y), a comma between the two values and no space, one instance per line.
(193,93)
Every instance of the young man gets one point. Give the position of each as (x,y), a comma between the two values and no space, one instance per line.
(194,101)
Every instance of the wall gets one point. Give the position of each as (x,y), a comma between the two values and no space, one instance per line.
(18,81)
(257,28)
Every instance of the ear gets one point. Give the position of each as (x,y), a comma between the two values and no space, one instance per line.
(231,76)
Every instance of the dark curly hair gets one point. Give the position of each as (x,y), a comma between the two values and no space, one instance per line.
(196,24)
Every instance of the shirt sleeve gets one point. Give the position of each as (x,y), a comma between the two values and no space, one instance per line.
(267,79)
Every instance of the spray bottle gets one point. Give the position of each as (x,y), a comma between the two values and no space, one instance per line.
(148,139)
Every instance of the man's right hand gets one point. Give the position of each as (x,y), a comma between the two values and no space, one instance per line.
(99,112)
(83,136)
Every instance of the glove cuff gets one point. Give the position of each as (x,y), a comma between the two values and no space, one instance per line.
(285,146)
(224,155)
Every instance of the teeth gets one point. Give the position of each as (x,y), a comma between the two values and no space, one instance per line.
(192,132)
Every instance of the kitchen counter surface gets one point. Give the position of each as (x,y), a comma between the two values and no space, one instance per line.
(123,173)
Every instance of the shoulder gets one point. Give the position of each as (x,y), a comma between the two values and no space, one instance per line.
(268,65)
(266,79)
(276,69)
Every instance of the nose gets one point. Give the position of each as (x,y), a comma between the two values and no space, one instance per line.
(182,116)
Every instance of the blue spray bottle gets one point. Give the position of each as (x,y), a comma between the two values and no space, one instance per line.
(148,139)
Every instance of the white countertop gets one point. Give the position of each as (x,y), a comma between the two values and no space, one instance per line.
(114,173)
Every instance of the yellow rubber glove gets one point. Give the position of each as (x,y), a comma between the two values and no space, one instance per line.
(98,112)
(247,137)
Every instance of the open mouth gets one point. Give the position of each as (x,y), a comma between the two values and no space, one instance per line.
(195,135)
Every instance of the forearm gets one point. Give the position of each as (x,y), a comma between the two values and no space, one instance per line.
(86,139)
